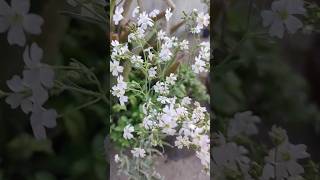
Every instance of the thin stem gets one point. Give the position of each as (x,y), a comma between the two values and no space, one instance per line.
(92,11)
(82,106)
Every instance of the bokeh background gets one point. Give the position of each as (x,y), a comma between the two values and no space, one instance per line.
(75,148)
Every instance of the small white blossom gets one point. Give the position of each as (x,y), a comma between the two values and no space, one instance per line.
(171,80)
(135,11)
(161,35)
(203,20)
(152,72)
(147,122)
(161,88)
(281,17)
(127,132)
(186,101)
(168,14)
(165,54)
(144,20)
(154,13)
(118,15)
(138,152)
(181,142)
(184,45)
(123,99)
(117,158)
(199,66)
(136,61)
(115,68)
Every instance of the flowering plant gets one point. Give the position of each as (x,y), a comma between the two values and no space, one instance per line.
(151,91)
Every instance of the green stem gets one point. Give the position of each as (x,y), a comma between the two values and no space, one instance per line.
(82,106)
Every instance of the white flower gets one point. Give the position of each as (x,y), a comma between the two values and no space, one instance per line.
(171,80)
(135,11)
(18,21)
(154,13)
(147,122)
(144,21)
(138,152)
(115,68)
(127,132)
(161,35)
(281,16)
(196,30)
(182,141)
(168,14)
(165,54)
(152,72)
(136,61)
(186,101)
(123,99)
(161,88)
(184,45)
(204,157)
(118,15)
(117,158)
(203,20)
(115,43)
(199,66)
(162,99)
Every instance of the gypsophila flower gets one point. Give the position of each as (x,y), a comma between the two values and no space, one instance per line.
(171,80)
(144,20)
(161,35)
(117,17)
(136,61)
(186,101)
(115,68)
(181,142)
(18,21)
(281,17)
(168,14)
(165,54)
(152,72)
(154,13)
(127,132)
(199,66)
(184,45)
(203,20)
(135,11)
(116,158)
(161,88)
(138,152)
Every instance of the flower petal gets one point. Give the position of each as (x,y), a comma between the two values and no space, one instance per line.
(20,6)
(268,17)
(4,8)
(296,7)
(47,77)
(293,24)
(16,35)
(32,23)
(14,100)
(36,53)
(279,6)
(277,28)
(26,105)
(15,84)
(4,24)
(49,118)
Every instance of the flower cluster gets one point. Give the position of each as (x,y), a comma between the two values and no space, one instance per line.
(31,91)
(154,80)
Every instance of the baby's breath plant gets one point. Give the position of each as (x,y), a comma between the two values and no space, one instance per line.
(155,90)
